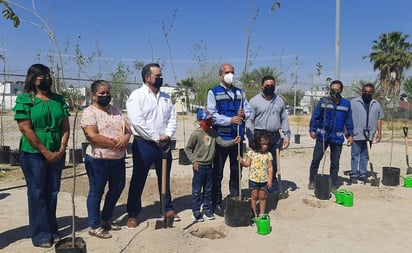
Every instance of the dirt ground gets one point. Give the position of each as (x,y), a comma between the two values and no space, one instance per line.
(379,220)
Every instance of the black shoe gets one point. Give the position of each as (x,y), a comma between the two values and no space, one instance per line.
(311,185)
(353,180)
(333,187)
(365,180)
(219,210)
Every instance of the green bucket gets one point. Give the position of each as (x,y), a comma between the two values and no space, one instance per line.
(339,196)
(407,181)
(263,224)
(348,199)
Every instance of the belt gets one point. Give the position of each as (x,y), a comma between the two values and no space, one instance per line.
(269,132)
(139,138)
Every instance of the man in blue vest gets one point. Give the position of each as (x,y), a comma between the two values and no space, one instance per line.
(330,121)
(230,108)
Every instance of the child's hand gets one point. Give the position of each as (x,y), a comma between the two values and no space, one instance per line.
(196,166)
(237,139)
(239,158)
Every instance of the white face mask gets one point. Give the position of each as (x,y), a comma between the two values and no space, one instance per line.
(228,78)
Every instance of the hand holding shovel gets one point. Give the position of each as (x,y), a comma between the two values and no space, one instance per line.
(167,222)
(375,180)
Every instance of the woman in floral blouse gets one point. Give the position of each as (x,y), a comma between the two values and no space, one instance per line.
(108,133)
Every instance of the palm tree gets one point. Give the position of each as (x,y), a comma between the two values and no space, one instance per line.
(391,55)
(183,90)
(252,80)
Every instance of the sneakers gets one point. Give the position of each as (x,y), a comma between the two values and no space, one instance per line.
(364,179)
(209,215)
(198,217)
(110,225)
(333,187)
(311,185)
(219,210)
(132,223)
(353,180)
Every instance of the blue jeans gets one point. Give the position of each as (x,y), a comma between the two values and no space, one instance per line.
(145,153)
(43,186)
(335,151)
(359,159)
(202,179)
(218,165)
(100,172)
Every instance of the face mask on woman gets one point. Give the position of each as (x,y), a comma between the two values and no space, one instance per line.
(104,100)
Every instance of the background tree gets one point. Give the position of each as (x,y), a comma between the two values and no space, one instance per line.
(118,88)
(8,13)
(289,96)
(408,89)
(252,81)
(184,90)
(391,55)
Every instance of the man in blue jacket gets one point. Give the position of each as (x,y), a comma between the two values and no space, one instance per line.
(330,122)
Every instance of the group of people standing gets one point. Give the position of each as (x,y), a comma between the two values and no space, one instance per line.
(42,118)
(336,118)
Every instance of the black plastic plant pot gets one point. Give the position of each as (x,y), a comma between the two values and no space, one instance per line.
(14,158)
(4,154)
(65,246)
(78,156)
(390,176)
(183,159)
(238,213)
(297,138)
(322,187)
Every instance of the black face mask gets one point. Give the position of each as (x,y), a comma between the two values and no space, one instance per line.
(366,97)
(334,93)
(104,100)
(268,90)
(158,82)
(45,84)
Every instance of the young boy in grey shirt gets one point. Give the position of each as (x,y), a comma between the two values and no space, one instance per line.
(200,150)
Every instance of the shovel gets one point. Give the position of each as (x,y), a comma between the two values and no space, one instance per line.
(375,180)
(167,222)
(405,132)
(282,194)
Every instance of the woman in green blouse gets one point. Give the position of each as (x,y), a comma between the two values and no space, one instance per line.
(42,118)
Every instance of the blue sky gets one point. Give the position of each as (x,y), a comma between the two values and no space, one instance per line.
(129,30)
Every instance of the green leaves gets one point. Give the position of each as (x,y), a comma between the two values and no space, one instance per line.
(8,13)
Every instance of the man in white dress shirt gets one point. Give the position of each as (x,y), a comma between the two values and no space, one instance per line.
(153,120)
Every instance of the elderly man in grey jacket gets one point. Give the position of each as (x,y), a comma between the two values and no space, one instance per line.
(367,115)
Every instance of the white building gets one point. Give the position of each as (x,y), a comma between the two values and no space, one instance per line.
(9,92)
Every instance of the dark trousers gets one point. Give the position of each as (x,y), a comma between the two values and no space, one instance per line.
(100,172)
(202,179)
(218,165)
(145,153)
(43,186)
(335,151)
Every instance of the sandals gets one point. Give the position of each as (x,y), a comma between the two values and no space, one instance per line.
(110,225)
(100,233)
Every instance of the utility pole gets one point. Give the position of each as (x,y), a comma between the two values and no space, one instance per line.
(295,85)
(337,43)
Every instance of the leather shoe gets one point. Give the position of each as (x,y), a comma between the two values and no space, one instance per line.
(172,213)
(132,223)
